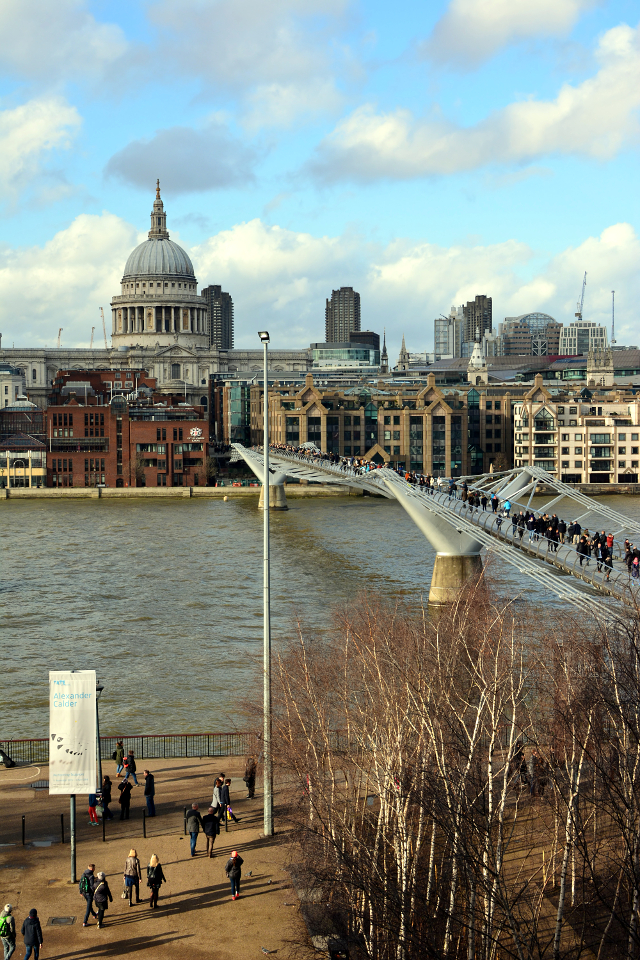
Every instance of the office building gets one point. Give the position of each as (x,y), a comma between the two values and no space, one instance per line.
(581,337)
(220,311)
(530,335)
(448,334)
(367,337)
(342,315)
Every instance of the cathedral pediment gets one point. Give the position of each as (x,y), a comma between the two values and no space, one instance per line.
(175,351)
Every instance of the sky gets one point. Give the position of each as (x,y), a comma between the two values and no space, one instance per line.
(422,153)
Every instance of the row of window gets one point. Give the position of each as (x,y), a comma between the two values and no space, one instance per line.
(160,285)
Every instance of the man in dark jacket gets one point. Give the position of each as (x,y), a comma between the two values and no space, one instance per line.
(86,886)
(225,800)
(194,822)
(125,789)
(149,793)
(32,933)
(211,827)
(130,767)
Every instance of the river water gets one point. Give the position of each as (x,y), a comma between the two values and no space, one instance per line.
(163,598)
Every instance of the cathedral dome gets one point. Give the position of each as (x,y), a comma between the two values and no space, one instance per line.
(158,256)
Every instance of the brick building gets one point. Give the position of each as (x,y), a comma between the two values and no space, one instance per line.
(138,438)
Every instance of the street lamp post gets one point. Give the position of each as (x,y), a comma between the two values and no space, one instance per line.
(268,760)
(99,689)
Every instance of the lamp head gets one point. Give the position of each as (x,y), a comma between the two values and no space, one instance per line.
(264,335)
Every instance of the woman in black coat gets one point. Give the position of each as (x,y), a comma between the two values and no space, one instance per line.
(102,897)
(106,797)
(125,789)
(32,933)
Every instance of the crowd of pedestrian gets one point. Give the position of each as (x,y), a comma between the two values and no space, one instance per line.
(550,528)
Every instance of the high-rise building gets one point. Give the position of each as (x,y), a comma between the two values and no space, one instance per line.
(447,334)
(220,309)
(531,335)
(342,315)
(478,317)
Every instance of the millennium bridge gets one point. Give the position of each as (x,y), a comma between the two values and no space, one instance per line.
(458,531)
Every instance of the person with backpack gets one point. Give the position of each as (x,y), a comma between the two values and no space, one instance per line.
(211,826)
(130,767)
(86,885)
(118,756)
(155,879)
(132,876)
(102,897)
(32,933)
(233,870)
(8,930)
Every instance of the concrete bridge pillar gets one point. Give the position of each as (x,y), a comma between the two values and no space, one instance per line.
(277,497)
(450,573)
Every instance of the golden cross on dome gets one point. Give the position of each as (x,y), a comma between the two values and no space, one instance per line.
(157,189)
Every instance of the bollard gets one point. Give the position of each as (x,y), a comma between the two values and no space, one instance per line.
(185,821)
(104,829)
(62,826)
(144,824)
(23,831)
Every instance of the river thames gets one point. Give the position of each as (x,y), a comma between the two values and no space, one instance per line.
(163,598)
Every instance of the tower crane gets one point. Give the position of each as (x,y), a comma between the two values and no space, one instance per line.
(91,344)
(59,335)
(104,329)
(613,317)
(581,304)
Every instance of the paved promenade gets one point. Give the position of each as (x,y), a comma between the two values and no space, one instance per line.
(196,917)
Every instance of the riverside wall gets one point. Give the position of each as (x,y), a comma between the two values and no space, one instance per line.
(147,493)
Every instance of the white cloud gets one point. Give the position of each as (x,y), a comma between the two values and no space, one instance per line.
(65,282)
(45,41)
(279,54)
(472,31)
(29,135)
(280,278)
(596,118)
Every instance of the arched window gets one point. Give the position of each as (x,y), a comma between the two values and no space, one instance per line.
(34,375)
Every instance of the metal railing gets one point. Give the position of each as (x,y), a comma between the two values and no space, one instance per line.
(145,746)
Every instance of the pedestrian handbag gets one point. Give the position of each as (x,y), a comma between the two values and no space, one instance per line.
(229,813)
(125,894)
(100,810)
(113,755)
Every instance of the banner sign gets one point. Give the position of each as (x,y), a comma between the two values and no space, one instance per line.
(72,731)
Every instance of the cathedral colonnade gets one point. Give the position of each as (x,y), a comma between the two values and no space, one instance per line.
(159,318)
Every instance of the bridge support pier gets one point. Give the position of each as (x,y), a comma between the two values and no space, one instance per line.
(450,573)
(277,497)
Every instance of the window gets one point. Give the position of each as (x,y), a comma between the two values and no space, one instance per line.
(396,421)
(578,451)
(564,437)
(634,450)
(496,406)
(561,411)
(622,451)
(34,375)
(622,437)
(497,418)
(564,452)
(175,371)
(565,464)
(634,436)
(396,450)
(489,419)
(387,435)
(497,448)
(622,464)
(573,423)
(577,437)
(489,434)
(396,434)
(489,405)
(577,464)
(387,420)
(175,433)
(489,448)
(573,410)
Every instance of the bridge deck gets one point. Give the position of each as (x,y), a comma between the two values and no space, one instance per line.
(556,569)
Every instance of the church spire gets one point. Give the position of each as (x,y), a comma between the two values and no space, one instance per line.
(158,218)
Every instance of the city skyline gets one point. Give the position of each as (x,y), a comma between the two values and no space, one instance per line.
(419,158)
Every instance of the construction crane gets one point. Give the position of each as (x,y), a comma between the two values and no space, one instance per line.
(91,344)
(613,317)
(581,304)
(59,335)
(104,329)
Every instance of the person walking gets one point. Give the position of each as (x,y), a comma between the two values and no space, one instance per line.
(125,789)
(8,930)
(216,801)
(233,870)
(102,897)
(194,822)
(107,786)
(506,506)
(155,879)
(211,826)
(149,792)
(132,876)
(130,767)
(118,756)
(32,933)
(86,887)
(226,801)
(250,777)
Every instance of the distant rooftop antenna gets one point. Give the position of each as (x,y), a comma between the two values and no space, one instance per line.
(613,317)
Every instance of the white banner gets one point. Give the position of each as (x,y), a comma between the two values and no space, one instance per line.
(72,731)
